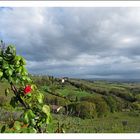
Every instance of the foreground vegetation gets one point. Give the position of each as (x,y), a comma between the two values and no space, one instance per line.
(25,97)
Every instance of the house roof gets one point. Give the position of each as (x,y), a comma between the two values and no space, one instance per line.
(55,107)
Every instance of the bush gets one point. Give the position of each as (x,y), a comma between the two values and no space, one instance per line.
(52,99)
(136,105)
(101,106)
(86,110)
(82,109)
(111,102)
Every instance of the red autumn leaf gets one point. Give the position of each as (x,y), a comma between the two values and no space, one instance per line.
(27,89)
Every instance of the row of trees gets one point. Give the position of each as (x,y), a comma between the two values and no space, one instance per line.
(122,93)
(92,106)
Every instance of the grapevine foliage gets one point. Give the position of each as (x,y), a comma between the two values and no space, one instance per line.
(36,115)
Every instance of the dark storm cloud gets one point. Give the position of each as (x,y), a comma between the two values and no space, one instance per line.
(77,42)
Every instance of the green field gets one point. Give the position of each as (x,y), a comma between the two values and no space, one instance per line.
(88,106)
(113,123)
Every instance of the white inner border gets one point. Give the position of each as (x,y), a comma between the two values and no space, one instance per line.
(106,136)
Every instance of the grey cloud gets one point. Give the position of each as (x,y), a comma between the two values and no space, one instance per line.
(78,42)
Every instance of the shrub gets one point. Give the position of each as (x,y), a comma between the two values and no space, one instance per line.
(52,99)
(111,102)
(136,105)
(86,110)
(82,109)
(101,106)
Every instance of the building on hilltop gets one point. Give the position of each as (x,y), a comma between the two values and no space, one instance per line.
(55,108)
(64,79)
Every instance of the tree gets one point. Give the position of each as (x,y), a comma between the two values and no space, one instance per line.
(82,109)
(86,110)
(101,106)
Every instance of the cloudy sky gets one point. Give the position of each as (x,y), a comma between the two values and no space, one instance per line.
(75,42)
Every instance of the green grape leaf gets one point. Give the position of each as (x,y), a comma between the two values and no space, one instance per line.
(1,74)
(17,125)
(28,79)
(29,95)
(17,64)
(28,116)
(48,119)
(17,61)
(25,118)
(24,70)
(24,78)
(40,97)
(33,123)
(10,53)
(5,65)
(22,61)
(33,87)
(8,72)
(17,58)
(10,79)
(46,109)
(31,114)
(11,50)
(18,70)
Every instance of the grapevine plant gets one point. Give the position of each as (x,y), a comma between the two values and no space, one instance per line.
(35,114)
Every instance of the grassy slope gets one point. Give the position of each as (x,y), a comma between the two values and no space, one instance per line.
(72,91)
(111,123)
(103,88)
(3,86)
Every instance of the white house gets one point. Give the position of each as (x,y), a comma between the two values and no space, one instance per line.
(55,108)
(64,79)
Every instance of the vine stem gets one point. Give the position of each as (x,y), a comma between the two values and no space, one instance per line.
(14,89)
